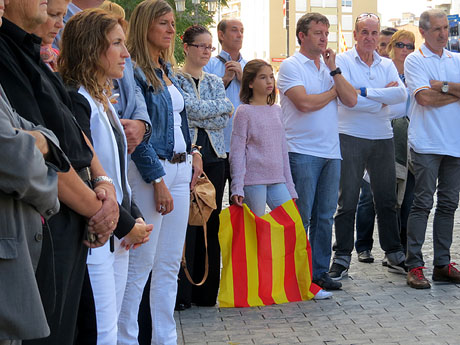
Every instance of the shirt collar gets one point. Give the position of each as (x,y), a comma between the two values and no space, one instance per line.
(426,52)
(72,8)
(227,56)
(304,59)
(377,57)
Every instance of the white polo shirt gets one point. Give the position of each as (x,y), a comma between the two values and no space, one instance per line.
(368,119)
(314,133)
(433,130)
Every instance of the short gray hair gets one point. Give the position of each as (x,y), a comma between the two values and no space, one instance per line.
(303,24)
(425,17)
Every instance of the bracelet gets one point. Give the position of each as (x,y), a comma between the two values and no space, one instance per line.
(197,153)
(102,179)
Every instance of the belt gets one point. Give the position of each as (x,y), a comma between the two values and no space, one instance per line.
(85,174)
(177,158)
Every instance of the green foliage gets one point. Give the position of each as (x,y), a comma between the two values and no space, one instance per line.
(193,14)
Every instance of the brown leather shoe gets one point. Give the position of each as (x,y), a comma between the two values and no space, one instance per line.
(448,273)
(416,279)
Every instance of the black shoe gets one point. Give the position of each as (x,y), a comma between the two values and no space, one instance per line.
(400,268)
(326,283)
(365,256)
(182,306)
(337,271)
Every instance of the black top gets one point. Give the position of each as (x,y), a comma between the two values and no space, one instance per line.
(37,93)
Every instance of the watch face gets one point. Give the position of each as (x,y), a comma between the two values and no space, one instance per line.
(445,88)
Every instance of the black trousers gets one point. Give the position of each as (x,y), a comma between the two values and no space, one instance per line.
(60,288)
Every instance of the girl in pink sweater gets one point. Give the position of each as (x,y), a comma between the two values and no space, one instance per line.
(259,163)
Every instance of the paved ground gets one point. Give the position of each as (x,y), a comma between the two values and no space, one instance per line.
(374,307)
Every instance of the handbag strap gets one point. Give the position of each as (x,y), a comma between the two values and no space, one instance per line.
(206,260)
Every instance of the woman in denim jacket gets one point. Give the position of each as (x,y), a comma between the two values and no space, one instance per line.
(208,112)
(159,175)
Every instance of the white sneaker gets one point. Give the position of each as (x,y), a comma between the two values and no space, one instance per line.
(323,294)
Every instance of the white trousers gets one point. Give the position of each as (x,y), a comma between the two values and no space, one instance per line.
(108,281)
(161,255)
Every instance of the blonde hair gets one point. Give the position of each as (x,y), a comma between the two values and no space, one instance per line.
(397,36)
(83,42)
(141,19)
(113,8)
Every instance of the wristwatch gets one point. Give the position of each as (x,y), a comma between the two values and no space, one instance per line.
(158,180)
(102,178)
(336,71)
(363,91)
(445,87)
(148,131)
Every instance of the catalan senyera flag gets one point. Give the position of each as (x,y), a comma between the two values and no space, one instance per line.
(266,260)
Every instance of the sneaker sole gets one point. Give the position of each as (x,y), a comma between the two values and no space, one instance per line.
(392,269)
(440,281)
(419,287)
(343,275)
(367,261)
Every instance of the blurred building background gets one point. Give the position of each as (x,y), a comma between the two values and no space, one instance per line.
(265,30)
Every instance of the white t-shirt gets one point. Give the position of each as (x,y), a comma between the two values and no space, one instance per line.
(367,119)
(433,130)
(178,105)
(314,133)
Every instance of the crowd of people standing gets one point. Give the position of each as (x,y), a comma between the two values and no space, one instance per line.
(103,137)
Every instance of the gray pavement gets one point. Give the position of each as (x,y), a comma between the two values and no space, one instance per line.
(373,307)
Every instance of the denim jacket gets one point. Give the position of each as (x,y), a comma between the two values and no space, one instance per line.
(131,102)
(160,109)
(207,108)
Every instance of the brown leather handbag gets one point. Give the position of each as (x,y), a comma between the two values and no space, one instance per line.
(202,203)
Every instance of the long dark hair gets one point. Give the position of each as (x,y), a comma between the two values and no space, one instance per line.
(249,74)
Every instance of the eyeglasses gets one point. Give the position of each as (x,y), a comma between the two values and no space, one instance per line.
(203,47)
(401,45)
(363,16)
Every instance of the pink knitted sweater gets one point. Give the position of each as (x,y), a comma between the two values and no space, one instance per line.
(258,149)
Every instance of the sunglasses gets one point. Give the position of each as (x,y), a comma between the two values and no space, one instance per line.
(401,45)
(363,16)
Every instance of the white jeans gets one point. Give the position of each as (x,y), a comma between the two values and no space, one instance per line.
(161,255)
(108,281)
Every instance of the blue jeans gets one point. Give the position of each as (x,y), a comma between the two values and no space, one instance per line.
(365,218)
(257,196)
(378,157)
(317,184)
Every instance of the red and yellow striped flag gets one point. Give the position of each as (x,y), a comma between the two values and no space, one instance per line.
(266,260)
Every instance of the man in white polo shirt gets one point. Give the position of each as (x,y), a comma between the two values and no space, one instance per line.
(433,77)
(366,142)
(310,83)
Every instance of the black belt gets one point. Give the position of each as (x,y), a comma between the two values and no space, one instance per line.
(85,174)
(177,158)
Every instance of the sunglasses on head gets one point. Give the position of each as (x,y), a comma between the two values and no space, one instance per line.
(363,16)
(401,45)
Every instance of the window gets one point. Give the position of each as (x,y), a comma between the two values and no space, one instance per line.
(332,37)
(347,6)
(332,19)
(330,3)
(323,3)
(301,5)
(347,22)
(348,36)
